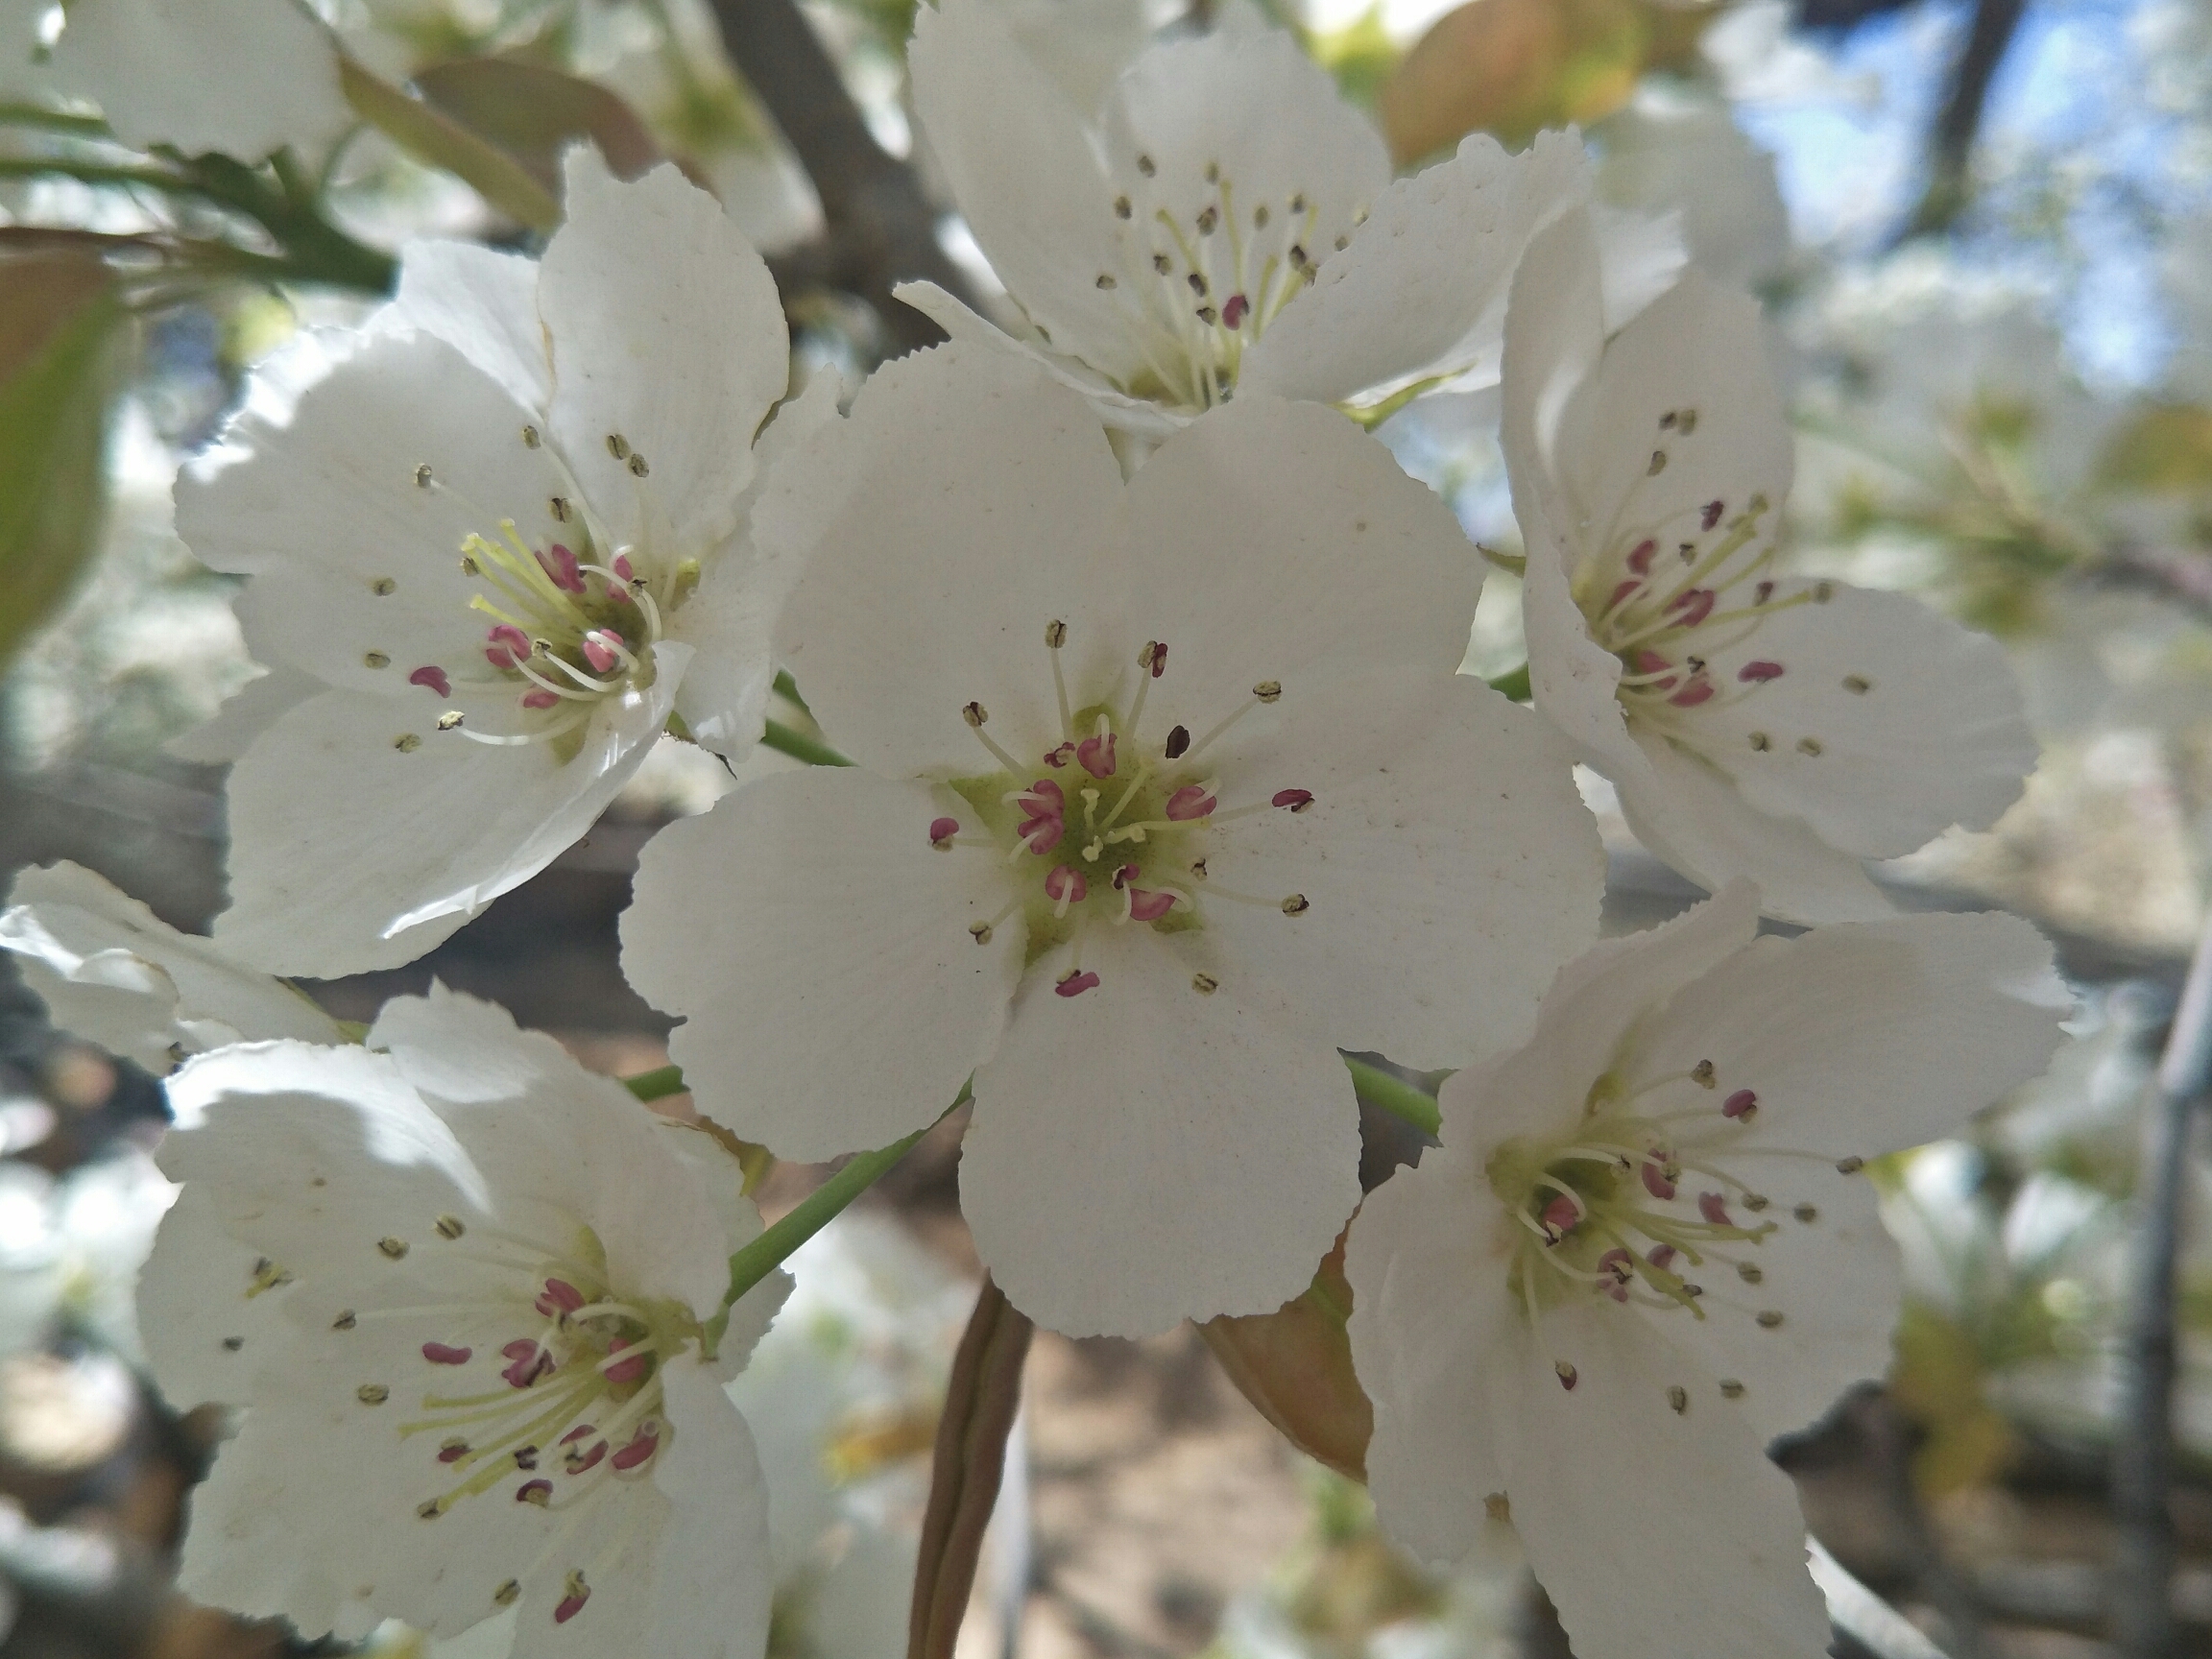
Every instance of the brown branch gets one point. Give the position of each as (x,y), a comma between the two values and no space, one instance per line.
(881,228)
(2143,1459)
(1951,141)
(980,1401)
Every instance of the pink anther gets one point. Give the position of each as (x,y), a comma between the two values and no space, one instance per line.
(1660,1255)
(1233,310)
(1699,690)
(1752,672)
(1065,884)
(1061,756)
(579,1458)
(941,830)
(540,698)
(600,648)
(1618,1263)
(1649,661)
(1297,800)
(442,1354)
(527,1362)
(1128,874)
(454,1452)
(1714,1209)
(573,1604)
(1620,592)
(621,567)
(539,1492)
(629,1370)
(1559,1215)
(559,1297)
(560,565)
(1655,1181)
(1159,646)
(1639,557)
(509,645)
(1739,1105)
(433,677)
(1711,516)
(638,1450)
(1147,906)
(1046,810)
(1075,984)
(1096,756)
(1692,607)
(1763,592)
(1192,800)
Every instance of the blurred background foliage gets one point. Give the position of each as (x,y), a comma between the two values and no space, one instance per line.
(1984,228)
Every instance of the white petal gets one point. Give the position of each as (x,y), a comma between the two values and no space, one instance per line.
(667,330)
(114,973)
(1829,1287)
(245,713)
(1420,291)
(1432,1322)
(1448,864)
(1025,177)
(245,77)
(1144,1153)
(966,503)
(1114,408)
(1257,113)
(1691,814)
(1274,541)
(1594,1002)
(1889,722)
(1648,1527)
(348,853)
(818,947)
(1700,349)
(1865,1038)
(551,1136)
(731,620)
(1641,256)
(1555,332)
(710,1586)
(480,302)
(328,510)
(189,1353)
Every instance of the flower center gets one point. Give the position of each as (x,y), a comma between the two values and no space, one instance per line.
(567,626)
(574,1396)
(1631,1204)
(1200,286)
(1113,827)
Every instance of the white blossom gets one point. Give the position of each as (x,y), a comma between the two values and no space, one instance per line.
(1164,792)
(1647,1246)
(243,77)
(1757,725)
(1164,252)
(468,1297)
(111,972)
(507,539)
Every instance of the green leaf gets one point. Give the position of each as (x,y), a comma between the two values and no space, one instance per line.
(63,335)
(533,114)
(429,134)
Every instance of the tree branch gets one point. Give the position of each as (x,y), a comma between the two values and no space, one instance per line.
(2143,1460)
(980,1401)
(881,228)
(1951,141)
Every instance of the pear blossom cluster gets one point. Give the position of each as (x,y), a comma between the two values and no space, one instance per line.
(1162,791)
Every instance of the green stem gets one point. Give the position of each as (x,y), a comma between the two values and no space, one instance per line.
(1395,1095)
(657,1084)
(801,747)
(54,121)
(812,1213)
(787,689)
